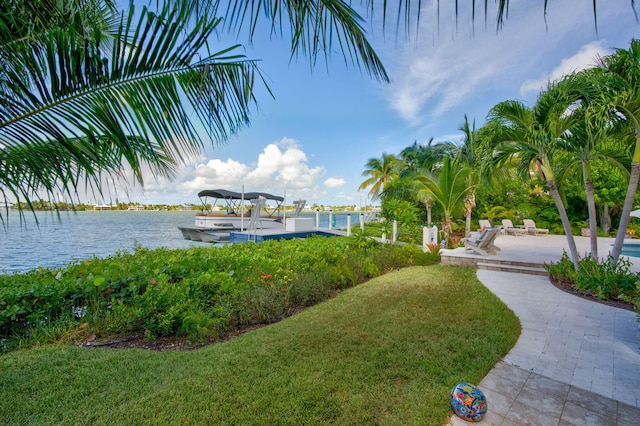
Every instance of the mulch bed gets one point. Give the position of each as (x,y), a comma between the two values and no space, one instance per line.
(568,287)
(173,343)
(162,344)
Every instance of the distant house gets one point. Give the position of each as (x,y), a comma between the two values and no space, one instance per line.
(4,206)
(137,208)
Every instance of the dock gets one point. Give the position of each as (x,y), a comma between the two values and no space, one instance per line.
(260,235)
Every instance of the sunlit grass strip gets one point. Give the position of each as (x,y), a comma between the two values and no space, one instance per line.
(385,352)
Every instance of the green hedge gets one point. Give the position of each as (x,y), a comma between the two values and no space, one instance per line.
(199,292)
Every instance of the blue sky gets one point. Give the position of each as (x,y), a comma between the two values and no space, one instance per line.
(315,137)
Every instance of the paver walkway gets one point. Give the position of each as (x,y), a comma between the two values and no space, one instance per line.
(577,362)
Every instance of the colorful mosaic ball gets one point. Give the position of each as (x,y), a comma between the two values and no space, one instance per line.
(468,402)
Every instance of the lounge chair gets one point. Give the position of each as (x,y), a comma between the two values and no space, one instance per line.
(509,229)
(532,229)
(482,243)
(484,224)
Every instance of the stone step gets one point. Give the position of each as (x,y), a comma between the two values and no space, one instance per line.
(467,260)
(513,267)
(494,261)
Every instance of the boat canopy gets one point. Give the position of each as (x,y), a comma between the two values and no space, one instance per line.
(233,199)
(232,195)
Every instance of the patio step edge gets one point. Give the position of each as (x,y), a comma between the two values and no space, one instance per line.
(513,267)
(449,259)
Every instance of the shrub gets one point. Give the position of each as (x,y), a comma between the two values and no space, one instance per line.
(455,240)
(605,279)
(198,325)
(310,288)
(601,278)
(200,292)
(434,247)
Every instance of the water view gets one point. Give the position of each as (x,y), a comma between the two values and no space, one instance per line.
(57,240)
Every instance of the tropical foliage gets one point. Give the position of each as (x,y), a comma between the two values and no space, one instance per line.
(202,292)
(565,161)
(603,279)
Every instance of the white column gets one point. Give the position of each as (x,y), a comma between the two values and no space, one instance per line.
(426,234)
(395,231)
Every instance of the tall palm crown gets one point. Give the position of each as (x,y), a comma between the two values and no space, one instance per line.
(529,138)
(469,154)
(592,139)
(623,66)
(448,187)
(381,171)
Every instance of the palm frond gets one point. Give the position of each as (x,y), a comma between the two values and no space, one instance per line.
(315,27)
(131,106)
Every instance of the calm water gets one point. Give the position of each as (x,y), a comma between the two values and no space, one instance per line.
(56,242)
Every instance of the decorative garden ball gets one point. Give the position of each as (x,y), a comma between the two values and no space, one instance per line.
(468,402)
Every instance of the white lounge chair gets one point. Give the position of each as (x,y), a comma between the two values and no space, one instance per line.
(483,242)
(509,229)
(484,224)
(532,229)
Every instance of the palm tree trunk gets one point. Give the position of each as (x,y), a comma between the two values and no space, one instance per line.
(573,251)
(626,211)
(605,219)
(469,204)
(593,225)
(467,226)
(446,228)
(591,203)
(428,205)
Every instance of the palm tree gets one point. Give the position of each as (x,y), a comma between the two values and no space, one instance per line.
(469,154)
(589,140)
(88,92)
(412,157)
(449,188)
(405,13)
(624,66)
(313,27)
(381,171)
(421,159)
(530,136)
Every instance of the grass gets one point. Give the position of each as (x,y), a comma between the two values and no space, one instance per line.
(385,352)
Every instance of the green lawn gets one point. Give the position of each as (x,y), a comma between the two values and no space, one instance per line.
(384,352)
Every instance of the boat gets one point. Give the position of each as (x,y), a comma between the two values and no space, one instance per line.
(263,212)
(206,235)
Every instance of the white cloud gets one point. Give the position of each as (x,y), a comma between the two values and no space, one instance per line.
(448,69)
(282,165)
(335,182)
(585,58)
(435,78)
